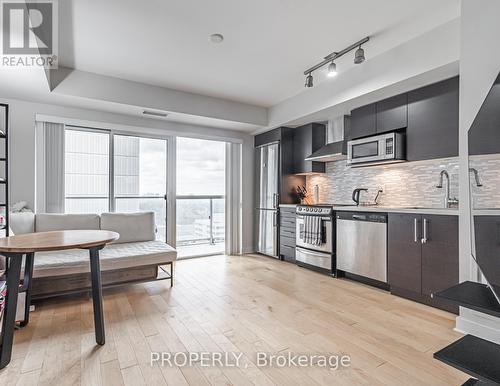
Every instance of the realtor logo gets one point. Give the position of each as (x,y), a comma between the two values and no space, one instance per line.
(29,33)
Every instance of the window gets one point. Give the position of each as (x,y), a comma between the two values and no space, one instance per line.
(200,223)
(139,174)
(86,171)
(140,177)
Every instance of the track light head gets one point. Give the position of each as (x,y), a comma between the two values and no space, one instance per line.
(309,80)
(359,56)
(332,69)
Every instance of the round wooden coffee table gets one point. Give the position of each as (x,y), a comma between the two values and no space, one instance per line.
(15,247)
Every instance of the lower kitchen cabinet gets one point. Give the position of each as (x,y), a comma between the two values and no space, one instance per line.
(287,233)
(422,256)
(404,252)
(487,246)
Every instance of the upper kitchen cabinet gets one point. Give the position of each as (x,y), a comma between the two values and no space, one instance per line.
(484,134)
(306,140)
(269,137)
(432,130)
(363,122)
(392,113)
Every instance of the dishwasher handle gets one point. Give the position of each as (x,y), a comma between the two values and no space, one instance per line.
(362,216)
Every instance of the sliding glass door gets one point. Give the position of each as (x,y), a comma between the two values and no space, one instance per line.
(109,171)
(200,203)
(106,172)
(140,177)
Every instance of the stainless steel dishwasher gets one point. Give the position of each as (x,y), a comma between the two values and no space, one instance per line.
(362,244)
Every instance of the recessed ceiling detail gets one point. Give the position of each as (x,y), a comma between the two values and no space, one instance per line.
(266,46)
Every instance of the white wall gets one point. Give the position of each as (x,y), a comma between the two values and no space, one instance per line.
(479,66)
(22,148)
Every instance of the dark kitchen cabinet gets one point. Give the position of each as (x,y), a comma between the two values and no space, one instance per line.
(287,233)
(440,254)
(392,113)
(306,140)
(269,137)
(422,256)
(404,252)
(484,134)
(487,246)
(432,130)
(363,122)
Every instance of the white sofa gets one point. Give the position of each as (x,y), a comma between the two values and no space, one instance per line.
(135,256)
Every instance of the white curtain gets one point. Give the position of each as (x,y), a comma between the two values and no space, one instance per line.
(54,167)
(233,199)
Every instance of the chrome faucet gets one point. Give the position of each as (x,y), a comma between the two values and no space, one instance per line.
(476,177)
(448,201)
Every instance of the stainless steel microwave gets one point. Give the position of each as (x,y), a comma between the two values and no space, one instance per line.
(378,149)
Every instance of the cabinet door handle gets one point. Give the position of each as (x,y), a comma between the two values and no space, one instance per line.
(424,239)
(275,215)
(415,230)
(275,200)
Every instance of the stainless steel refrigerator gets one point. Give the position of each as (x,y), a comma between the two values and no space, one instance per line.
(267,181)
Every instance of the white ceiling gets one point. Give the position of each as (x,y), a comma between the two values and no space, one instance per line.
(267,46)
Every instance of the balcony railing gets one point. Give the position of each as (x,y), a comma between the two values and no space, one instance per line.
(200,220)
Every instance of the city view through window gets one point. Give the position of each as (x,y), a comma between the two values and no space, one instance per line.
(200,196)
(140,181)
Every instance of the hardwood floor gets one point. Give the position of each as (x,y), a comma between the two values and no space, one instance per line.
(235,304)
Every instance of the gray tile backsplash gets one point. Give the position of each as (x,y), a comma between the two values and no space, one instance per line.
(404,184)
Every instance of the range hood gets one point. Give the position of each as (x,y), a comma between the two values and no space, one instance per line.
(335,148)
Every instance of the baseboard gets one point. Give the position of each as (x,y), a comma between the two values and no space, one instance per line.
(248,250)
(478,324)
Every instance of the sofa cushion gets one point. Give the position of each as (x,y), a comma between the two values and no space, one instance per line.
(46,222)
(131,227)
(21,222)
(114,256)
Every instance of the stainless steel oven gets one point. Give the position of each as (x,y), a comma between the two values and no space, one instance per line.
(319,256)
(378,149)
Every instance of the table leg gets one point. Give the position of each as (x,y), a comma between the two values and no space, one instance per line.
(95,271)
(28,276)
(13,262)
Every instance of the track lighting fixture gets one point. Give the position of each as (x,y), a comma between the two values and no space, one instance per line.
(332,69)
(309,81)
(359,57)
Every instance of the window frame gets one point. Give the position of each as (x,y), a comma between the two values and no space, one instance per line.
(111,169)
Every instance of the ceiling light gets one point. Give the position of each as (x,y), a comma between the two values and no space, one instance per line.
(359,56)
(216,38)
(332,70)
(309,81)
(160,114)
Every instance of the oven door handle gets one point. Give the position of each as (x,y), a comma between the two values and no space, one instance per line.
(301,217)
(309,252)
